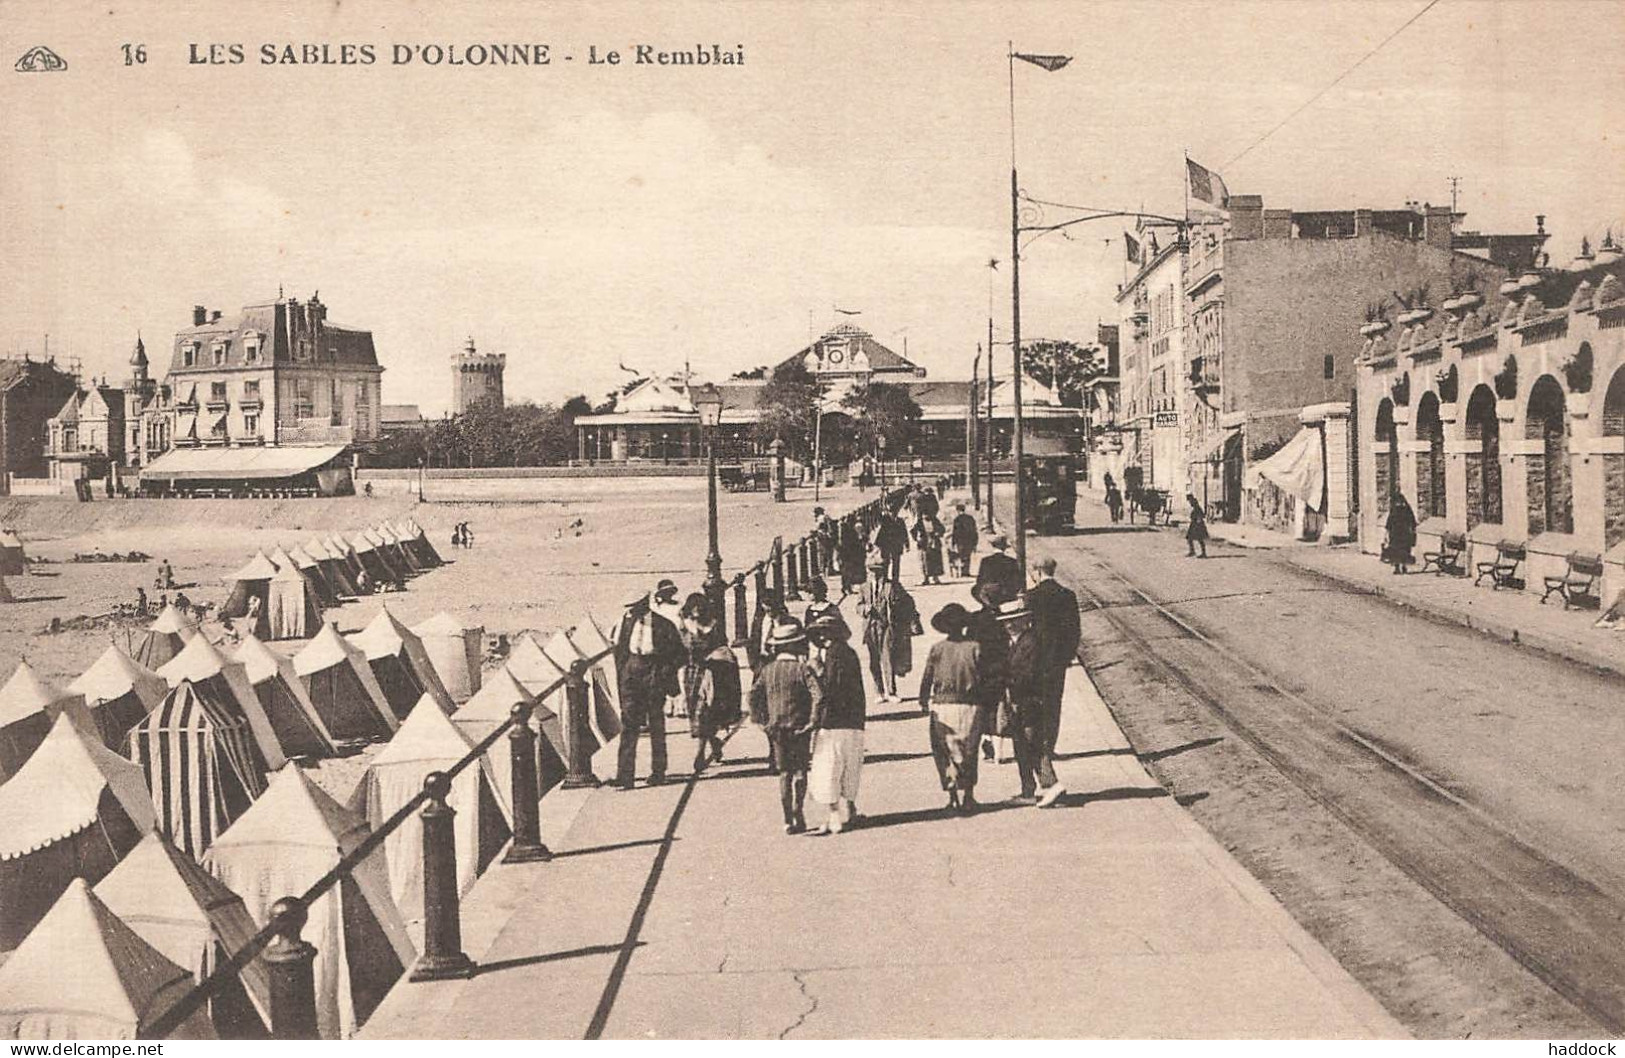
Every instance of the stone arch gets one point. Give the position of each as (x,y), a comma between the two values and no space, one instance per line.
(1385,465)
(1613,462)
(1484,465)
(1431,499)
(1551,487)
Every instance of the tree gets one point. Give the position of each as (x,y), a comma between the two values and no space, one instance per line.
(1064,366)
(787,405)
(577,405)
(883,410)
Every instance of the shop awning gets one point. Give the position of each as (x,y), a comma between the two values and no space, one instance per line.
(229,464)
(1298,468)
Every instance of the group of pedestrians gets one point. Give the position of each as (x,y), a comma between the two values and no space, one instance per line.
(462,535)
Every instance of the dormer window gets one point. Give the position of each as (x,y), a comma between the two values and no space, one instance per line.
(219,352)
(301,350)
(189,354)
(251,347)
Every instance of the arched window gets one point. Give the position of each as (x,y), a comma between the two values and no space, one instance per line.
(1430,479)
(1483,466)
(1613,463)
(1386,463)
(1551,489)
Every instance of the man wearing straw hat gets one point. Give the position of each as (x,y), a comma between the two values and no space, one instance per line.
(783,700)
(648,654)
(1025,677)
(837,745)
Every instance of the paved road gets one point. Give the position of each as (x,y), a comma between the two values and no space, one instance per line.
(1486,774)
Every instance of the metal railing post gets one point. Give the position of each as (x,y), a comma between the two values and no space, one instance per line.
(527,846)
(741,614)
(291,963)
(792,572)
(778,571)
(582,743)
(443,956)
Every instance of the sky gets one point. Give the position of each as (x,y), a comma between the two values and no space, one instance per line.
(578,218)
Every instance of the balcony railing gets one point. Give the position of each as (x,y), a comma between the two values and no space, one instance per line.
(314,432)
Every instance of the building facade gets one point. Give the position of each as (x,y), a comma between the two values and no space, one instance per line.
(1501,416)
(85,438)
(476,378)
(1151,329)
(275,374)
(31,392)
(149,417)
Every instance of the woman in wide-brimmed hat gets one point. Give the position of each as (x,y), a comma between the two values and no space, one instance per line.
(959,694)
(890,620)
(714,698)
(783,700)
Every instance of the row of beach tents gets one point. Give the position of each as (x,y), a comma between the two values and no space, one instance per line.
(281,594)
(150,818)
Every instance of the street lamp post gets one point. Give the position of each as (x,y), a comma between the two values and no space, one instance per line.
(708,402)
(776,450)
(880,460)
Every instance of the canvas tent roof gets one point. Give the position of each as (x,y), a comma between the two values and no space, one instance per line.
(385,637)
(115,674)
(84,974)
(185,912)
(271,461)
(490,708)
(26,693)
(456,650)
(260,567)
(201,661)
(171,621)
(532,667)
(303,733)
(328,651)
(58,792)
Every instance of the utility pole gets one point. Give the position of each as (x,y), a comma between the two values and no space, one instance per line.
(1455,186)
(1015,328)
(973,461)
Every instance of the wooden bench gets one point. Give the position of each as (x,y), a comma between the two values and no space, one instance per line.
(1578,584)
(1448,558)
(1503,571)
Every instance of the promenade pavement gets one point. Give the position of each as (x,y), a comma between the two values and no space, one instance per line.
(684,911)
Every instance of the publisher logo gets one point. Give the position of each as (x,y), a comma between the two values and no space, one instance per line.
(40,59)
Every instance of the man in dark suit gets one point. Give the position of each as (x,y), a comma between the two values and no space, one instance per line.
(1055,623)
(649,654)
(998,578)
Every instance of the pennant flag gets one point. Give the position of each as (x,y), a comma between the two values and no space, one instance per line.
(847,312)
(1048,62)
(1207,185)
(1133,247)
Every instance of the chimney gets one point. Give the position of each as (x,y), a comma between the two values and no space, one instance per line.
(1277,224)
(215,315)
(1246,216)
(1362,223)
(1436,226)
(200,315)
(1540,224)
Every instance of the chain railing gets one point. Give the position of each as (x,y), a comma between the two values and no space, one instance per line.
(290,960)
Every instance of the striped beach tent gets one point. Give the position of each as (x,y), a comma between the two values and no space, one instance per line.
(333,567)
(401,664)
(456,650)
(83,974)
(299,727)
(29,705)
(429,742)
(119,691)
(72,811)
(490,708)
(165,638)
(341,686)
(194,921)
(225,683)
(200,764)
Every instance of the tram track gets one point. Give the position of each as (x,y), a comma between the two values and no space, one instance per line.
(1559,926)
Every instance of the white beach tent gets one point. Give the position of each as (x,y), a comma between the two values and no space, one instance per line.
(291,837)
(119,691)
(85,975)
(429,742)
(604,718)
(311,567)
(194,921)
(72,811)
(341,686)
(28,707)
(299,727)
(200,763)
(225,683)
(165,638)
(401,664)
(490,708)
(13,563)
(251,582)
(457,651)
(292,610)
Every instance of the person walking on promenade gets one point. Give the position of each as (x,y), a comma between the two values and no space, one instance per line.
(1401,528)
(769,605)
(1114,500)
(837,741)
(962,538)
(891,539)
(1057,633)
(717,695)
(824,529)
(928,534)
(648,656)
(701,634)
(820,602)
(783,700)
(953,687)
(457,535)
(850,548)
(890,619)
(926,504)
(663,600)
(998,578)
(1196,532)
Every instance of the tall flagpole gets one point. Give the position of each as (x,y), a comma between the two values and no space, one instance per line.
(1015,327)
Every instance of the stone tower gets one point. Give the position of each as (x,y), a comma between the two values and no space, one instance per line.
(475,378)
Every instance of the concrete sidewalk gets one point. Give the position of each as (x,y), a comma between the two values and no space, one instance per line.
(684,911)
